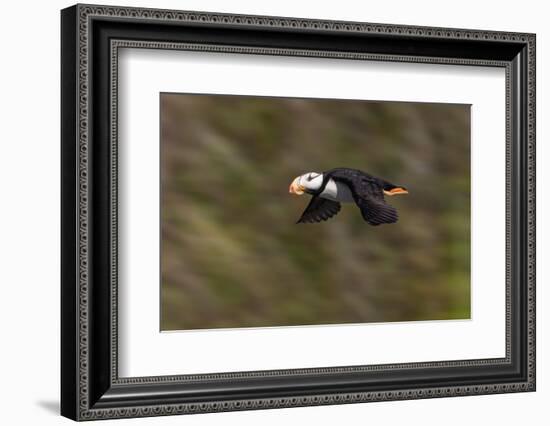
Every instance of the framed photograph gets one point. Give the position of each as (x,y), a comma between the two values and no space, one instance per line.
(263,212)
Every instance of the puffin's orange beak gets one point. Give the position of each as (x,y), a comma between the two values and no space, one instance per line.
(296,188)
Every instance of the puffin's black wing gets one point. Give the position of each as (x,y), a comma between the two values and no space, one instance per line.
(368,193)
(375,212)
(319,209)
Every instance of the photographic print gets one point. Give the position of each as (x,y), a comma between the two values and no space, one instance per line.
(292,211)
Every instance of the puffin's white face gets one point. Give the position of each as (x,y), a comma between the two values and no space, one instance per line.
(309,182)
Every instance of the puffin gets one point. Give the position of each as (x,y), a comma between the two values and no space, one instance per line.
(343,185)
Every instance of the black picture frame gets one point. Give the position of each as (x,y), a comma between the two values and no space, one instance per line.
(90,386)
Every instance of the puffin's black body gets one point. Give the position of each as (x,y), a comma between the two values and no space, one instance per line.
(368,194)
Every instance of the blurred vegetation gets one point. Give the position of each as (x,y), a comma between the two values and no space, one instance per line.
(232,255)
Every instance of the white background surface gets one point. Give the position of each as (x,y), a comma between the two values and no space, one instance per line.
(146,352)
(29,225)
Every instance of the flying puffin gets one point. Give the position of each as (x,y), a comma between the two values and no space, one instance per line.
(343,185)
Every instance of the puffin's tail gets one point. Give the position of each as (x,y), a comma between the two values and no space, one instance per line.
(391,189)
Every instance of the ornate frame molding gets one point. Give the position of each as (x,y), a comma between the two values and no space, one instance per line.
(78,24)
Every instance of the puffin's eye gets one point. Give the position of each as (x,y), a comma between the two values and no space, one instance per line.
(309,177)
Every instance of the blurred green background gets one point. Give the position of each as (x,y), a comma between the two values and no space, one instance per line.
(232,255)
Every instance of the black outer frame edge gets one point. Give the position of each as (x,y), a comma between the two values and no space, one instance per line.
(296,38)
(104,394)
(69,188)
(519,206)
(137,395)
